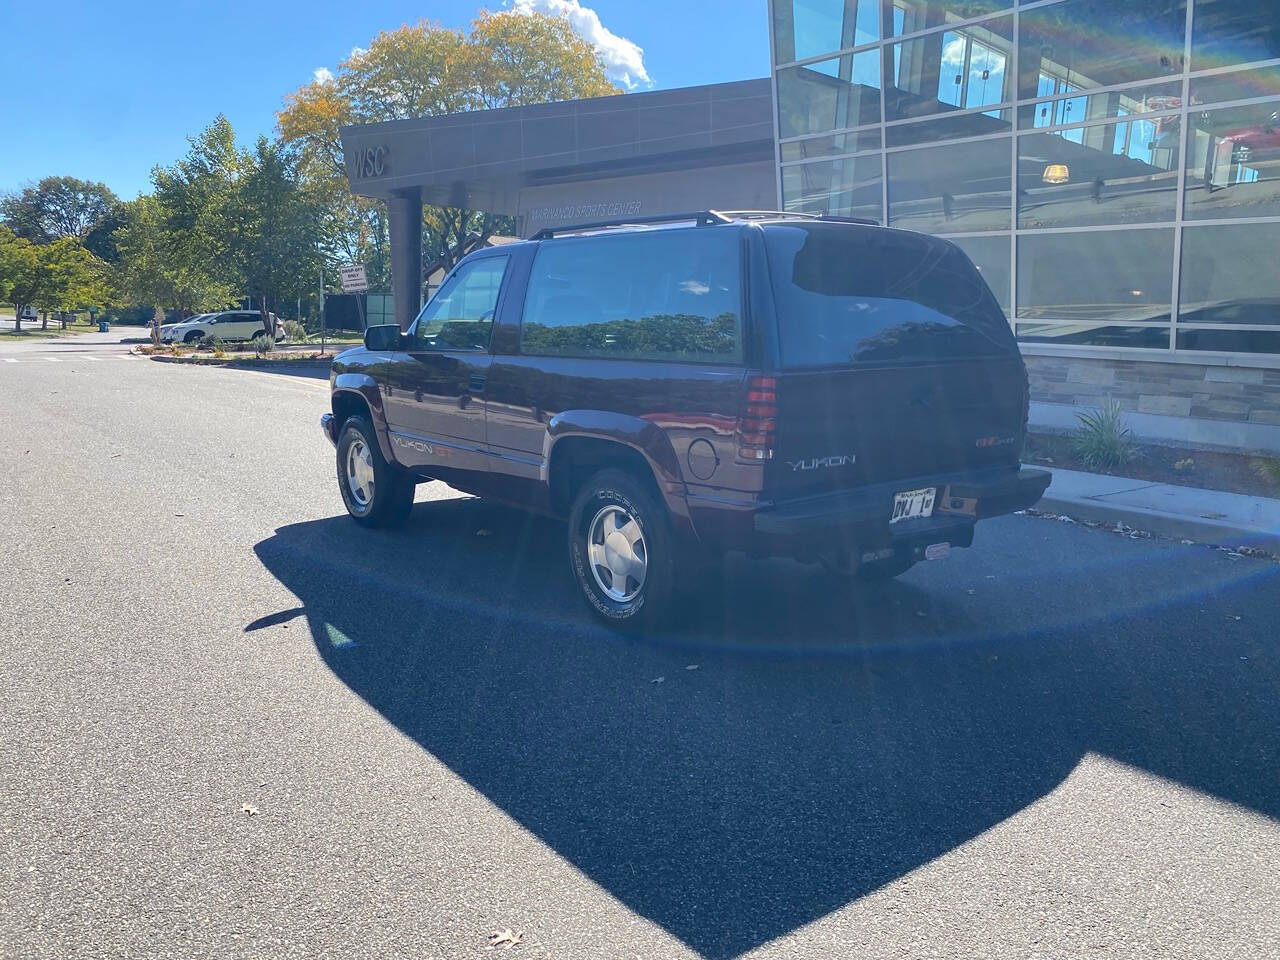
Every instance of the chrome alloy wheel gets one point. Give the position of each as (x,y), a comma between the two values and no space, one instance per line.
(617,552)
(360,473)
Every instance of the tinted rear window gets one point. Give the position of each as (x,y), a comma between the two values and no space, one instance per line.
(650,295)
(849,295)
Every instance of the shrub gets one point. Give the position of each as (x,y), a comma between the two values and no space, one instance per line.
(1268,469)
(295,331)
(263,345)
(1102,440)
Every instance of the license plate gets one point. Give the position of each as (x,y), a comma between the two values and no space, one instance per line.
(912,504)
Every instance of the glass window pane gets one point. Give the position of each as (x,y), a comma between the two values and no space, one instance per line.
(912,16)
(1151,338)
(1114,275)
(834,145)
(991,256)
(1233,163)
(1237,85)
(848,295)
(460,315)
(1230,341)
(1233,31)
(954,188)
(830,95)
(1229,274)
(844,188)
(1100,106)
(1109,173)
(950,128)
(810,28)
(949,70)
(1087,43)
(670,294)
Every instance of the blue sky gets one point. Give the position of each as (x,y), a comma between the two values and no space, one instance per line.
(104,91)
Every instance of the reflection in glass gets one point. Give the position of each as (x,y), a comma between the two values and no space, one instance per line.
(1229,274)
(912,16)
(949,70)
(637,296)
(1154,338)
(835,145)
(991,256)
(954,188)
(1237,85)
(1084,43)
(1110,173)
(952,127)
(810,28)
(1233,163)
(1113,275)
(846,188)
(830,95)
(1100,106)
(1233,31)
(1230,341)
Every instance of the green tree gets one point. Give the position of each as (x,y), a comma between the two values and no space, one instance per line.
(69,278)
(20,272)
(64,207)
(274,236)
(506,59)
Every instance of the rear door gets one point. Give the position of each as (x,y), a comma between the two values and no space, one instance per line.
(895,360)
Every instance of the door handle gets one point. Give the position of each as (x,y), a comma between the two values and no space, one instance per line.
(476,383)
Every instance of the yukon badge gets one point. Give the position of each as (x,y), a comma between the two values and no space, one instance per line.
(820,463)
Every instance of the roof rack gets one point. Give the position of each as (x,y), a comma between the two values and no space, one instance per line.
(702,218)
(794,215)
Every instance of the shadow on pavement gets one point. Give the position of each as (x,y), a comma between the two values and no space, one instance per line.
(828,743)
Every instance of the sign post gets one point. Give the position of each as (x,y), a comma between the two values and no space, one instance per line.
(354,280)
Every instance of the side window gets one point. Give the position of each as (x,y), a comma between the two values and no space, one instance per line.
(460,315)
(656,295)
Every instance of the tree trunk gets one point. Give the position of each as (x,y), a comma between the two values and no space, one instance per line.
(17,316)
(44,319)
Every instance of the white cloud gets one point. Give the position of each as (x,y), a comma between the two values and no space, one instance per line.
(623,59)
(356,53)
(322,75)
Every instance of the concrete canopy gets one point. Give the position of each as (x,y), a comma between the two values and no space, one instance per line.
(485,160)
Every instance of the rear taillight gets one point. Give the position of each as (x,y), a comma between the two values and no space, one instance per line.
(758,424)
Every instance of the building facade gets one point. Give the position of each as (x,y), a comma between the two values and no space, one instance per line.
(1111,166)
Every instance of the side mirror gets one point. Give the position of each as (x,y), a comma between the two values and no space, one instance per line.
(383,338)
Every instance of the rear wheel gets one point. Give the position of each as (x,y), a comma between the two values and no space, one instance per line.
(376,493)
(193,337)
(620,551)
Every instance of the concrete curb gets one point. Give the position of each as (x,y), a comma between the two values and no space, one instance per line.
(297,366)
(1173,526)
(1180,513)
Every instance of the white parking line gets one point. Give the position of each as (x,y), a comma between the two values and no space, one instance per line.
(10,360)
(53,359)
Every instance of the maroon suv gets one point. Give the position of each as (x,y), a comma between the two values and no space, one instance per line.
(782,385)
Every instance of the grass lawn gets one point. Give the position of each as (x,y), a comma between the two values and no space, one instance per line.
(32,330)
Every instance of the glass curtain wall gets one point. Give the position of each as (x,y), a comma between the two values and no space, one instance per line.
(1113,169)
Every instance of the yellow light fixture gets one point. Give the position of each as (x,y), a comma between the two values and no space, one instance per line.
(1057,173)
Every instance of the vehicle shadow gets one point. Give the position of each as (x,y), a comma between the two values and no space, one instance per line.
(828,742)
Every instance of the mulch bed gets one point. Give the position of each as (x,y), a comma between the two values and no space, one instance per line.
(1233,472)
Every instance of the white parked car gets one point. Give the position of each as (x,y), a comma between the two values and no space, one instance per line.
(228,325)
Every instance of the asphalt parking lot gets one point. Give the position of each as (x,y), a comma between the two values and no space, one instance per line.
(234,724)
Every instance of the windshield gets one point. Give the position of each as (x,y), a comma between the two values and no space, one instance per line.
(848,294)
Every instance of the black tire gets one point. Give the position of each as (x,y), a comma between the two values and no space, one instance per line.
(193,338)
(651,603)
(390,501)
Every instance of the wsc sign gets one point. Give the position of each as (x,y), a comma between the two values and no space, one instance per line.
(372,162)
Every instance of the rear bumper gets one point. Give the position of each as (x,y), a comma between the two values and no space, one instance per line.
(329,427)
(861,516)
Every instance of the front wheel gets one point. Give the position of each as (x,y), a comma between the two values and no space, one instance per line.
(376,493)
(193,338)
(620,551)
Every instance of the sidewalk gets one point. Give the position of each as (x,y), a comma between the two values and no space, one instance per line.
(1183,513)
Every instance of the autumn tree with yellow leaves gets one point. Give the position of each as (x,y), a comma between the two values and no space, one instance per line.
(505,59)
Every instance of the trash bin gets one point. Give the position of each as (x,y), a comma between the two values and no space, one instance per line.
(104,326)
